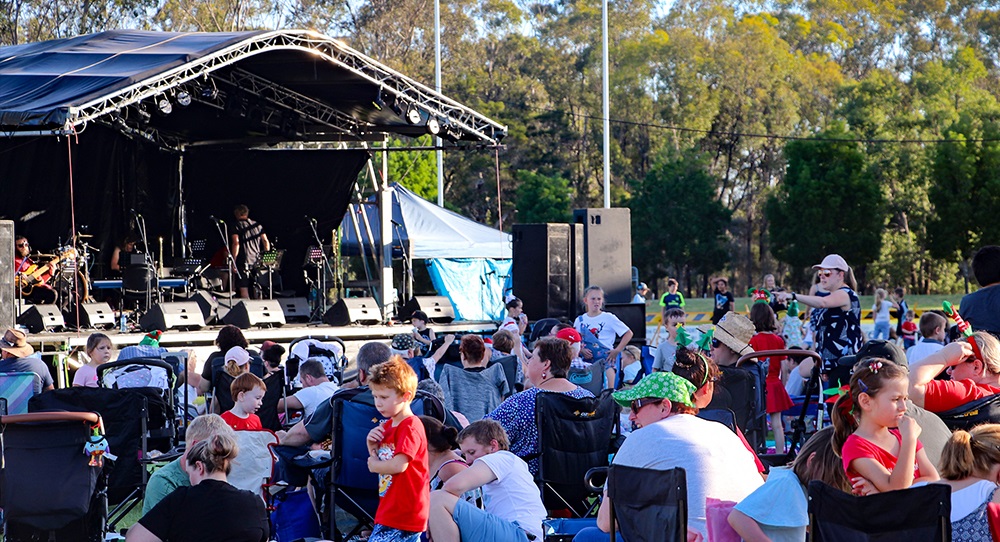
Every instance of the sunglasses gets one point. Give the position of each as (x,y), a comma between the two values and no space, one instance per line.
(825,273)
(639,403)
(716,343)
(21,245)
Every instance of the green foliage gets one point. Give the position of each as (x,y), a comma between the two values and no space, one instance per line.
(542,198)
(416,170)
(677,222)
(826,205)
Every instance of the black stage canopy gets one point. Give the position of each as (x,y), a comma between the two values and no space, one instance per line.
(182,126)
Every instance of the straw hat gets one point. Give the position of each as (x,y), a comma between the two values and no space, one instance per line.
(735,331)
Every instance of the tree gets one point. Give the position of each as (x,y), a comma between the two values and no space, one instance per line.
(827,204)
(542,198)
(678,225)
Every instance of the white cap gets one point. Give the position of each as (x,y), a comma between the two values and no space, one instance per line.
(833,261)
(239,355)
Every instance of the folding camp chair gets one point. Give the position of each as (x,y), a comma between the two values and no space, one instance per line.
(17,389)
(919,513)
(590,379)
(575,435)
(509,364)
(352,488)
(973,413)
(254,464)
(648,505)
(49,491)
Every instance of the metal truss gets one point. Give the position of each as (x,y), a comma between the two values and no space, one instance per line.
(459,121)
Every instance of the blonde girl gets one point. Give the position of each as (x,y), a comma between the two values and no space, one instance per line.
(99,350)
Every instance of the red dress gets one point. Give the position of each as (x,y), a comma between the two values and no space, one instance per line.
(777,398)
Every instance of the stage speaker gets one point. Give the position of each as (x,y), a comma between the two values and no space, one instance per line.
(255,312)
(353,310)
(7,294)
(173,315)
(39,318)
(92,316)
(607,251)
(634,316)
(547,269)
(438,308)
(207,303)
(296,309)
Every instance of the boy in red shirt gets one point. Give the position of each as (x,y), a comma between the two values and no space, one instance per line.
(248,392)
(398,454)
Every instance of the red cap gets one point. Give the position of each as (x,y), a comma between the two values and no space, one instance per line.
(569,334)
(267,344)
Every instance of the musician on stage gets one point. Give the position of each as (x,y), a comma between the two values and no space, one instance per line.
(31,277)
(127,246)
(246,243)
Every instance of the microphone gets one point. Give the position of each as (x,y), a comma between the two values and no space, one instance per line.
(394,223)
(213,219)
(137,215)
(310,219)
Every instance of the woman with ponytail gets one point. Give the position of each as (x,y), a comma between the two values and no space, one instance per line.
(970,464)
(872,432)
(210,509)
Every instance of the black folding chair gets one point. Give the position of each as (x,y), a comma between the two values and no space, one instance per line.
(590,379)
(973,413)
(575,436)
(509,364)
(920,513)
(648,505)
(49,490)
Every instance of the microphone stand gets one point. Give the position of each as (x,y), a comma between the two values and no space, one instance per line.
(147,259)
(321,270)
(234,273)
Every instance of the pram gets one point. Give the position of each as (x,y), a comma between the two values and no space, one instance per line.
(328,350)
(37,452)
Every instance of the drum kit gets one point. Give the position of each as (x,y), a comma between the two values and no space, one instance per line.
(71,276)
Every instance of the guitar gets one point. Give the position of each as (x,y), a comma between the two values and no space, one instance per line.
(39,274)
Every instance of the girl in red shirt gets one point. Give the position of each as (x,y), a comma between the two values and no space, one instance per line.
(778,401)
(873,434)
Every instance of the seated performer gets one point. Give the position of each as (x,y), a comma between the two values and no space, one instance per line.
(31,277)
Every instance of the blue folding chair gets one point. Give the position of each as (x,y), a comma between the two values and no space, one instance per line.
(17,389)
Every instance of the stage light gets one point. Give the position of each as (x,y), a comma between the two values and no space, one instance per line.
(163,106)
(183,98)
(433,126)
(413,115)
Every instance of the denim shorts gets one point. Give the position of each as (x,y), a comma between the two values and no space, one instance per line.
(477,525)
(381,533)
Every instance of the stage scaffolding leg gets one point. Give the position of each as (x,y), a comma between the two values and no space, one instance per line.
(385,225)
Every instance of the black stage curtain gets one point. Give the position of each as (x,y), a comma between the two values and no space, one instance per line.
(114,174)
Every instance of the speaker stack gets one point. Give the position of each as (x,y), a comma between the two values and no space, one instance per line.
(353,310)
(547,271)
(607,251)
(438,308)
(255,313)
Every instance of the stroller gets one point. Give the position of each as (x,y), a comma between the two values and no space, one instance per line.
(45,449)
(330,351)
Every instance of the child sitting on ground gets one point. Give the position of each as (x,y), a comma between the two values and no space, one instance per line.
(398,454)
(247,392)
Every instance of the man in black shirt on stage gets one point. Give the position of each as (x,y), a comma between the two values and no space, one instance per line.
(246,244)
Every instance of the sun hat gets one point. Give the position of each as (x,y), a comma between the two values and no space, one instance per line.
(239,355)
(735,331)
(833,261)
(569,334)
(402,342)
(662,385)
(642,286)
(16,343)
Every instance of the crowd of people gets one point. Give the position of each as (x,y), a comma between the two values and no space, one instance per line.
(473,475)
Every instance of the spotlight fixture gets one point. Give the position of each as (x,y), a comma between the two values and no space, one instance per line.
(412,115)
(163,106)
(183,98)
(433,126)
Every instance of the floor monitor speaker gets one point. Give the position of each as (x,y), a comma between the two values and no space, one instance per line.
(39,318)
(353,310)
(249,313)
(207,303)
(296,309)
(438,308)
(92,316)
(173,315)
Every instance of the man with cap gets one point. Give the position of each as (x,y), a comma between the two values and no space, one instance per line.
(670,435)
(731,339)
(933,432)
(16,359)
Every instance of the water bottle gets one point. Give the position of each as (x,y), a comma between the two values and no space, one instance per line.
(122,327)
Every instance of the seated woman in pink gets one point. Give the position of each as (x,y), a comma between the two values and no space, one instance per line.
(873,433)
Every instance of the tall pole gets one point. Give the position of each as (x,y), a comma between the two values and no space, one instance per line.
(606,104)
(437,87)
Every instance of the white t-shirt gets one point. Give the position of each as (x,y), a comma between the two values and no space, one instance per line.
(605,326)
(921,350)
(513,496)
(312,396)
(966,500)
(881,315)
(716,462)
